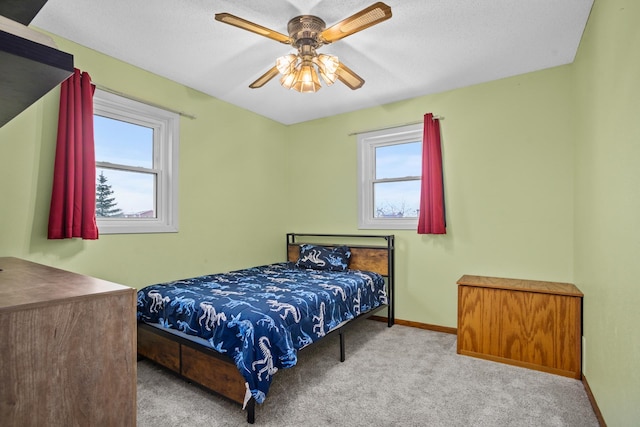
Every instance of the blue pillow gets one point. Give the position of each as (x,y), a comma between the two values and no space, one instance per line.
(323,258)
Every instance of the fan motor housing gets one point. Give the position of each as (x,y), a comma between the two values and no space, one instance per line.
(305,30)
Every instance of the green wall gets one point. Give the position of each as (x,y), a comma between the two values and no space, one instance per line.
(607,204)
(507,149)
(231,176)
(540,176)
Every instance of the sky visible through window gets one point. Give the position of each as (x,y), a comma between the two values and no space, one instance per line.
(127,144)
(398,199)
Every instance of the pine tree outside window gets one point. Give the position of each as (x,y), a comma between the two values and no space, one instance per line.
(106,206)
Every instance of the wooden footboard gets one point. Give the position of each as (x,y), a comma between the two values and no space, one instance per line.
(195,363)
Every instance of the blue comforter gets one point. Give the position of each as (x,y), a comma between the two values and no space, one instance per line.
(261,316)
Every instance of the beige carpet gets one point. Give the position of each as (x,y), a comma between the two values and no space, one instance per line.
(397,376)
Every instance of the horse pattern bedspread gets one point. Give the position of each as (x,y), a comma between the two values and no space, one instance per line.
(262,316)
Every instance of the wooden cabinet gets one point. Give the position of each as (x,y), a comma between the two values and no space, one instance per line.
(68,348)
(527,323)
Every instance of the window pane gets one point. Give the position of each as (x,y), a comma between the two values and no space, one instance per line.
(396,199)
(125,194)
(399,160)
(123,143)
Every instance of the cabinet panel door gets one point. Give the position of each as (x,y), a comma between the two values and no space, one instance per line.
(70,363)
(536,330)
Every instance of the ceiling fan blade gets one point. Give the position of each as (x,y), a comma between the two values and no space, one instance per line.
(348,77)
(227,18)
(264,79)
(372,15)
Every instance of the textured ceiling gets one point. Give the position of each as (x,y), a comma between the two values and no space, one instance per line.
(428,46)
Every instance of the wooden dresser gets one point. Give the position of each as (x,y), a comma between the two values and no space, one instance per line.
(527,323)
(68,348)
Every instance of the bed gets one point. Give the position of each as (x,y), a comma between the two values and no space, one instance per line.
(232,332)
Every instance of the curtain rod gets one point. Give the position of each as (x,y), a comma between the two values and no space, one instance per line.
(393,126)
(133,98)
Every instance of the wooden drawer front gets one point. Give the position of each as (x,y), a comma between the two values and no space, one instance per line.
(213,373)
(536,330)
(56,371)
(159,349)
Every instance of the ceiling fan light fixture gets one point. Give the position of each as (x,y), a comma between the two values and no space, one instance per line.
(329,63)
(328,79)
(286,64)
(287,80)
(306,80)
(327,66)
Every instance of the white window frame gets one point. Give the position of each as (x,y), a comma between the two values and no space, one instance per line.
(367,144)
(166,134)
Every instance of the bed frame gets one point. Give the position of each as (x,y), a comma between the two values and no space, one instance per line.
(217,372)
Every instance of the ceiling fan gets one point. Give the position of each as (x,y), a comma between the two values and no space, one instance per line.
(307,33)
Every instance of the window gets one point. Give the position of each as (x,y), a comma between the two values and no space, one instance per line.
(136,166)
(390,169)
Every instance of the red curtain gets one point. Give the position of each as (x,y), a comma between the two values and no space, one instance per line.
(431,219)
(73,198)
